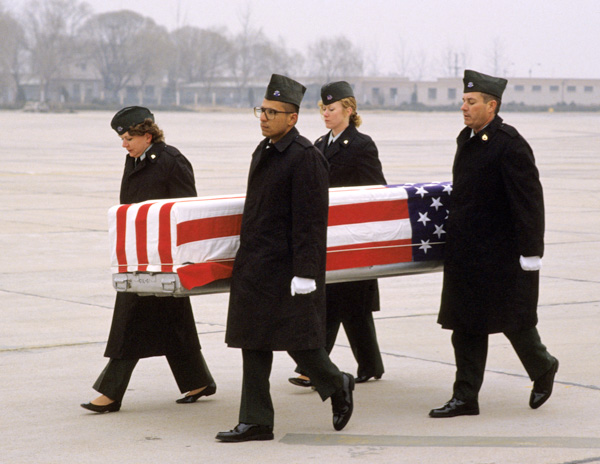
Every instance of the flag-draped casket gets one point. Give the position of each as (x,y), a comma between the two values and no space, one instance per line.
(187,246)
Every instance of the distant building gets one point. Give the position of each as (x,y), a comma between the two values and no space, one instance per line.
(80,85)
(395,92)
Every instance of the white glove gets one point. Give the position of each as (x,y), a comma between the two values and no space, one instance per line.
(530,263)
(302,285)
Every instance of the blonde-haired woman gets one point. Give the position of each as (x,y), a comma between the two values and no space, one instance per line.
(353,160)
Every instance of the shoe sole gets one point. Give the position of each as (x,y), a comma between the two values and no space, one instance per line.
(473,412)
(263,437)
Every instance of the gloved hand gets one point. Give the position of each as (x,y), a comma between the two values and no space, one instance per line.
(302,285)
(530,263)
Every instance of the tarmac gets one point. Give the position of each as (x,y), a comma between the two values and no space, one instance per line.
(59,174)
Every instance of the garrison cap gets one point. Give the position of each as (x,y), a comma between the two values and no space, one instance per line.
(477,82)
(128,117)
(335,91)
(284,89)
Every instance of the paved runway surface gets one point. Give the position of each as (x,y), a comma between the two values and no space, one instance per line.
(59,174)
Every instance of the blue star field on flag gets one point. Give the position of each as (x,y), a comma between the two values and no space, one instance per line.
(428,205)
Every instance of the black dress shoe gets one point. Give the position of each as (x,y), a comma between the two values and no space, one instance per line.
(300,382)
(542,387)
(246,432)
(112,407)
(366,378)
(456,407)
(342,403)
(210,389)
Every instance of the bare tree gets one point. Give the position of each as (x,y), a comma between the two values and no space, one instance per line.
(403,58)
(452,62)
(154,49)
(13,51)
(201,55)
(420,65)
(116,44)
(52,27)
(497,59)
(334,59)
(245,59)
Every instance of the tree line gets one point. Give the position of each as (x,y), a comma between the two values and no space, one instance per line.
(47,40)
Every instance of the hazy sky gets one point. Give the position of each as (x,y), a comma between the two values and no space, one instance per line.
(541,38)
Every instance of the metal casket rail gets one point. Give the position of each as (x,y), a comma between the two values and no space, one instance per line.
(168,284)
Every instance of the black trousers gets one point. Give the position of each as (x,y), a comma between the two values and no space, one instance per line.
(351,304)
(470,351)
(190,372)
(256,406)
(360,330)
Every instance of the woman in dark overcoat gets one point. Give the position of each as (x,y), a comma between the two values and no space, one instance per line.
(146,326)
(353,161)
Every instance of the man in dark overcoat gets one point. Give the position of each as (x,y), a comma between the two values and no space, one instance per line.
(145,326)
(493,251)
(277,298)
(353,161)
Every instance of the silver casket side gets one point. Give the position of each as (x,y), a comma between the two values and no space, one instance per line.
(168,283)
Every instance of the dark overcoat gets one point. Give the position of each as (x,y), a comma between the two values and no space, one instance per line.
(145,326)
(353,160)
(496,215)
(283,234)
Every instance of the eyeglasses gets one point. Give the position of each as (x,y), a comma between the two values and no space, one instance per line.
(269,113)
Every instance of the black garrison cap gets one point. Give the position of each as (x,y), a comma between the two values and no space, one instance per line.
(284,89)
(335,91)
(128,117)
(477,82)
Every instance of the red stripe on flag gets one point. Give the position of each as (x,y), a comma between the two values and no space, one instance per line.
(197,275)
(141,233)
(369,254)
(121,219)
(212,227)
(374,211)
(164,237)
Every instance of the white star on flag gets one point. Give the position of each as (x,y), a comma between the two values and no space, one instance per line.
(448,188)
(423,218)
(421,191)
(436,203)
(439,230)
(425,246)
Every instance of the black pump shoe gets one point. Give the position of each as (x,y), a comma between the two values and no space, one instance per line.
(300,382)
(112,407)
(210,389)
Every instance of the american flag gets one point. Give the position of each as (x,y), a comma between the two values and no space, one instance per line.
(198,237)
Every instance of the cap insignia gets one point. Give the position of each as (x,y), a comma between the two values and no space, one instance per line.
(277,93)
(329,97)
(470,84)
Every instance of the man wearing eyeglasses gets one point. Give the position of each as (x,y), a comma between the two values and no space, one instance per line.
(277,298)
